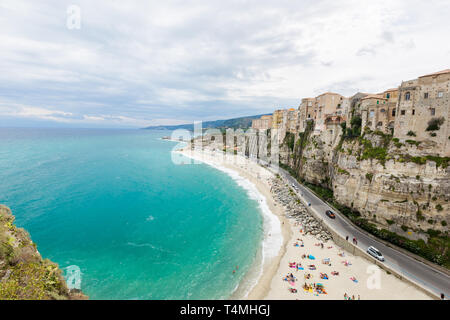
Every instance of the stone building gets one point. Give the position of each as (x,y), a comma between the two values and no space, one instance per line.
(280,123)
(354,108)
(322,107)
(277,119)
(374,113)
(293,120)
(305,112)
(327,103)
(423,112)
(263,123)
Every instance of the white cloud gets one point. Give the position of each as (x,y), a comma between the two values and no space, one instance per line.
(142,62)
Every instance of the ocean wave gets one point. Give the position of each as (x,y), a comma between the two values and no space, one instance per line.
(148,245)
(273,238)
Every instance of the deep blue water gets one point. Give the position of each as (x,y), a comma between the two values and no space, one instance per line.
(138,226)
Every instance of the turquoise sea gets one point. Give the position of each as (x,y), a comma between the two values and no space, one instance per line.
(138,226)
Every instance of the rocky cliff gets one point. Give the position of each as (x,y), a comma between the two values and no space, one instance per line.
(386,184)
(24,275)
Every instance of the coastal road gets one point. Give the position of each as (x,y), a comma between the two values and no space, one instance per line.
(430,278)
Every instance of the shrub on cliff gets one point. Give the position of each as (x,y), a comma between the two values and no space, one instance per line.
(23,273)
(435,124)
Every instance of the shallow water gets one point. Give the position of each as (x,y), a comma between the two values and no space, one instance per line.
(138,226)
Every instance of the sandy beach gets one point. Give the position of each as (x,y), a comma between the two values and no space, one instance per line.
(327,270)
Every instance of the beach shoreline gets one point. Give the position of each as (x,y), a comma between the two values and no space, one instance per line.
(273,269)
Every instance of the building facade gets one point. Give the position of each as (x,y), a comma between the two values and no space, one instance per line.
(422,102)
(263,123)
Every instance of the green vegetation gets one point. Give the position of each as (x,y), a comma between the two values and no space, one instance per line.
(439,208)
(435,124)
(413,142)
(397,143)
(440,161)
(369,176)
(404,228)
(342,171)
(411,133)
(289,140)
(355,129)
(390,222)
(419,215)
(371,152)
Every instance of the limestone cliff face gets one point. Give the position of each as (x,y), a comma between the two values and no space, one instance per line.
(394,185)
(395,193)
(23,272)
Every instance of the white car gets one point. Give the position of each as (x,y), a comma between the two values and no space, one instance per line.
(375,253)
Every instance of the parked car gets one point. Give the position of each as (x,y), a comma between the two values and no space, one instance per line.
(330,214)
(375,253)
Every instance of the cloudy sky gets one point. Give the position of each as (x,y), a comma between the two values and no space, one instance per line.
(138,63)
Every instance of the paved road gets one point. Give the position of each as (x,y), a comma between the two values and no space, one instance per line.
(428,277)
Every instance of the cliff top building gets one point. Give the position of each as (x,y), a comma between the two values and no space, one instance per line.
(263,123)
(423,112)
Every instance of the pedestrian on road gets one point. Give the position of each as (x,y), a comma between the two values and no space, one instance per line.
(346,238)
(442,296)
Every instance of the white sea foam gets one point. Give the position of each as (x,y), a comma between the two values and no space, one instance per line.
(273,238)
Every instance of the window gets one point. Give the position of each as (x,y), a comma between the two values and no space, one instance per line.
(379,124)
(407,96)
(433,111)
(371,114)
(413,111)
(369,123)
(403,112)
(393,113)
(378,102)
(388,95)
(382,110)
(440,94)
(425,95)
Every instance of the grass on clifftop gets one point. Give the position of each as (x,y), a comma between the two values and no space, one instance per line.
(23,273)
